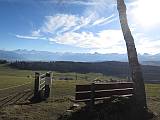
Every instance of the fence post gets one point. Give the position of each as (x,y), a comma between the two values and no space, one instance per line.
(48,83)
(86,78)
(76,76)
(36,85)
(92,95)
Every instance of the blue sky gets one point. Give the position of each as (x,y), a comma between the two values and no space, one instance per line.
(77,25)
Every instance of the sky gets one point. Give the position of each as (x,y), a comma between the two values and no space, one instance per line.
(78,26)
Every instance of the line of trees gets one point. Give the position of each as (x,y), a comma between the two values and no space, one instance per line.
(111,68)
(108,68)
(3,61)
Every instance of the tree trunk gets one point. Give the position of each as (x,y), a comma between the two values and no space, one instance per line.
(135,67)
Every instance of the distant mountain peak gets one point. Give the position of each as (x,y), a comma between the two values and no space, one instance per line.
(34,55)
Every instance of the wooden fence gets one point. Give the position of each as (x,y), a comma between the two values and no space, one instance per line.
(92,92)
(23,93)
(42,86)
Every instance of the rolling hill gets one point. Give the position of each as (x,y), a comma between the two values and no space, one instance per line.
(109,68)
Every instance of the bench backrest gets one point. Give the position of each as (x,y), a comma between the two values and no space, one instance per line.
(101,91)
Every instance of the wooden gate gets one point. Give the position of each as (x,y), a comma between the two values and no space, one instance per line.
(42,86)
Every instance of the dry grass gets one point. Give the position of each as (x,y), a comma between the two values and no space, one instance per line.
(62,91)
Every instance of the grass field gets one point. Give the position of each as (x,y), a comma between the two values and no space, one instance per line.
(11,77)
(62,91)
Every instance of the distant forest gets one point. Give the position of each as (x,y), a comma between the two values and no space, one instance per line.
(111,68)
(3,61)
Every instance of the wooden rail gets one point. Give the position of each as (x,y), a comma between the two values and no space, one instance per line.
(99,91)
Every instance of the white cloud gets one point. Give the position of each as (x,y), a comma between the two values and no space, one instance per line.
(65,28)
(30,37)
(105,39)
(59,21)
(145,44)
(145,13)
(104,20)
(58,24)
(74,2)
(79,2)
(83,22)
(53,25)
(149,46)
(36,33)
(62,23)
(103,8)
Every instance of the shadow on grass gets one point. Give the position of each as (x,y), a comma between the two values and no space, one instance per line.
(33,100)
(115,108)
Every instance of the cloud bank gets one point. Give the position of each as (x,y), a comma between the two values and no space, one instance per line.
(89,30)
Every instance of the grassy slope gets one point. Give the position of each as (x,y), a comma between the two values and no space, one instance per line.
(153,98)
(61,91)
(12,77)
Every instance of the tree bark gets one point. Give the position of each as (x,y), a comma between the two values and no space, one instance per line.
(135,67)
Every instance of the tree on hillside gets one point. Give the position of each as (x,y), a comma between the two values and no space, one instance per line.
(135,67)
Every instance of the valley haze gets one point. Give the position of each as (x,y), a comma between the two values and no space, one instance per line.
(33,55)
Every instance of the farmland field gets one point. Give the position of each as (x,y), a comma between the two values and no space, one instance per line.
(12,77)
(62,91)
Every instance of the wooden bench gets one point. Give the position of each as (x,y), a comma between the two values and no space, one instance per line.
(98,91)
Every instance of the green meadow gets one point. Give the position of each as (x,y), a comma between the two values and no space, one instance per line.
(62,91)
